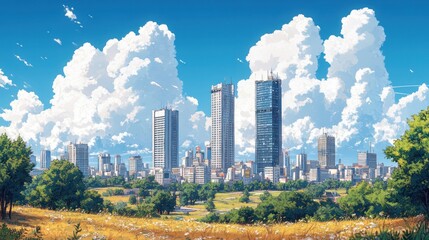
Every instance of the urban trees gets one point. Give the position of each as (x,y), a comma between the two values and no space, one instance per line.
(411,153)
(15,167)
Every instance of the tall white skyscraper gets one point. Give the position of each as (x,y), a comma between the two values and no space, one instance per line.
(301,162)
(45,159)
(165,138)
(117,162)
(104,162)
(326,151)
(79,156)
(222,131)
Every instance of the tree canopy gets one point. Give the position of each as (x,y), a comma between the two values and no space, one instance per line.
(61,186)
(411,152)
(15,167)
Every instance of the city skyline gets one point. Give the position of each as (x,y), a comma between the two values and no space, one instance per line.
(104,86)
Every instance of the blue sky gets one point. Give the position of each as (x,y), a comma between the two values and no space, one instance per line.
(210,37)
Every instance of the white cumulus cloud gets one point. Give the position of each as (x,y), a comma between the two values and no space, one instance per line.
(355,101)
(104,97)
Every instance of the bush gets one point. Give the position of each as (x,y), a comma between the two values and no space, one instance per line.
(132,199)
(420,231)
(210,205)
(264,196)
(146,210)
(245,197)
(10,234)
(211,218)
(328,213)
(92,202)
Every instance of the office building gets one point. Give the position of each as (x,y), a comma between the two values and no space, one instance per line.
(367,159)
(33,159)
(272,174)
(286,163)
(103,163)
(199,155)
(135,165)
(188,158)
(165,138)
(301,162)
(222,130)
(208,152)
(79,156)
(45,159)
(202,174)
(326,151)
(268,123)
(116,164)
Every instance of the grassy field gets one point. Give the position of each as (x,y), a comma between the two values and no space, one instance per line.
(60,225)
(223,202)
(113,199)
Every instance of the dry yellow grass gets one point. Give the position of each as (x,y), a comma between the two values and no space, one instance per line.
(59,225)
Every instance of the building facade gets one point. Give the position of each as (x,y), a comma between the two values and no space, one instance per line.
(45,159)
(103,161)
(79,156)
(165,138)
(367,159)
(268,123)
(222,130)
(33,159)
(326,151)
(135,165)
(301,162)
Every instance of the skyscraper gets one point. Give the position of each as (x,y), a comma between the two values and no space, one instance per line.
(286,163)
(222,131)
(326,151)
(165,138)
(301,162)
(33,159)
(45,159)
(208,152)
(367,159)
(104,162)
(135,165)
(79,156)
(268,123)
(117,163)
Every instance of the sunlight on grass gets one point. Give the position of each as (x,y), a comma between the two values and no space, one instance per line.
(59,225)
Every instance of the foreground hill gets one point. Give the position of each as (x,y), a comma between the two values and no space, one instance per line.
(60,225)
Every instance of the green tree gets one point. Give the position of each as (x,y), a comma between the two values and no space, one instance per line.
(210,205)
(265,195)
(370,200)
(189,194)
(245,198)
(15,167)
(61,186)
(92,202)
(146,210)
(328,211)
(164,201)
(411,153)
(315,190)
(242,215)
(356,202)
(132,199)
